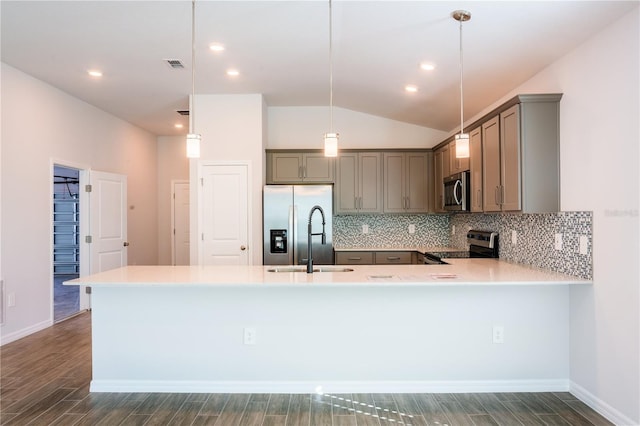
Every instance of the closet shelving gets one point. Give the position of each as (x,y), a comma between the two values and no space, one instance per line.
(66,227)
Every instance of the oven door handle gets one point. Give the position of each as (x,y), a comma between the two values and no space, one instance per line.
(455,192)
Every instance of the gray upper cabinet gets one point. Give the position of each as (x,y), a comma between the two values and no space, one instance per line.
(520,156)
(358,186)
(299,167)
(438,176)
(491,165)
(406,182)
(475,168)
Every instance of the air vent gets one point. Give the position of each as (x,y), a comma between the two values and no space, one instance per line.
(183,112)
(175,63)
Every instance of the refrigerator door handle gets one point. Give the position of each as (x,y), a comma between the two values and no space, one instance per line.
(293,227)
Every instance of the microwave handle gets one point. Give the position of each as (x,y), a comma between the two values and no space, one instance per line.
(455,192)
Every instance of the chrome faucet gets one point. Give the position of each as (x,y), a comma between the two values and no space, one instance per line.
(311,234)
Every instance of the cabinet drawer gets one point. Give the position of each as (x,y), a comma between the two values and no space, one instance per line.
(400,257)
(354,258)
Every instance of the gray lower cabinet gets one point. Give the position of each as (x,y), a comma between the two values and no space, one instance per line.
(354,258)
(299,167)
(376,257)
(358,187)
(406,182)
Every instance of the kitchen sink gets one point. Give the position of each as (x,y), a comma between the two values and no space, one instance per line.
(303,268)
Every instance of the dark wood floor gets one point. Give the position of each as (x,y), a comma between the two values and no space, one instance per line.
(45,381)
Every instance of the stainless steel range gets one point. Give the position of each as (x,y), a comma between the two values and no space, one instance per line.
(481,244)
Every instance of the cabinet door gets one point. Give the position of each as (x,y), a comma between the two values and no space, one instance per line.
(491,165)
(446,162)
(346,188)
(438,185)
(510,158)
(394,182)
(354,258)
(417,180)
(317,168)
(475,168)
(393,257)
(286,168)
(370,176)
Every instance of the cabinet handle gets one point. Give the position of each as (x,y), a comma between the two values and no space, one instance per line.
(393,258)
(479,199)
(304,172)
(501,194)
(496,195)
(354,258)
(299,172)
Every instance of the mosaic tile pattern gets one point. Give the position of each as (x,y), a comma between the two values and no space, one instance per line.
(392,231)
(535,235)
(535,238)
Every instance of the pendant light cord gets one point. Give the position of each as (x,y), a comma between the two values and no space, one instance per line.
(330,67)
(193,66)
(461,94)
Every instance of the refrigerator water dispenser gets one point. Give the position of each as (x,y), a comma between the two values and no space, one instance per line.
(278,240)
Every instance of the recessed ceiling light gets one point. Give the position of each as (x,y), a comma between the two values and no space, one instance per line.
(233,73)
(427,66)
(216,47)
(178,126)
(95,73)
(411,88)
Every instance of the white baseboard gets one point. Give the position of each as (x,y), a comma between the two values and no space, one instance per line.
(12,337)
(606,410)
(179,386)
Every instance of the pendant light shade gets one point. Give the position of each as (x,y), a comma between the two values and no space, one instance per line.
(462,139)
(331,138)
(330,144)
(193,145)
(193,139)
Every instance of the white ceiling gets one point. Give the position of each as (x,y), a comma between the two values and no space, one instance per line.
(281,49)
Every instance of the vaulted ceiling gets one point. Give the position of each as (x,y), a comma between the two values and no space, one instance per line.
(281,49)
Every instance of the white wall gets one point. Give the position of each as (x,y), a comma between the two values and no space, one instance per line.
(43,125)
(599,139)
(303,127)
(232,129)
(172,165)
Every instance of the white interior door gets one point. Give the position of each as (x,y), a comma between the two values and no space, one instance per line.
(180,223)
(108,221)
(224,215)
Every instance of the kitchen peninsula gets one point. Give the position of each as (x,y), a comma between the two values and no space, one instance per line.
(391,328)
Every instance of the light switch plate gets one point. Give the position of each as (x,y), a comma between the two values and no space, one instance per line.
(558,242)
(365,229)
(453,230)
(584,244)
(514,237)
(412,229)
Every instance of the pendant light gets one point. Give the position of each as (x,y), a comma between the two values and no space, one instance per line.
(331,138)
(193,139)
(462,139)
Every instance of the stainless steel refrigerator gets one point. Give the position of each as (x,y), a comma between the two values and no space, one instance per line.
(285,215)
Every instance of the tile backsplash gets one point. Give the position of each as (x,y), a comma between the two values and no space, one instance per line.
(390,231)
(534,240)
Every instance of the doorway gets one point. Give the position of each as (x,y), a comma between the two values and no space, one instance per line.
(66,241)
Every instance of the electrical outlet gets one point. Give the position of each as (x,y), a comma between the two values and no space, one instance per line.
(249,336)
(412,229)
(365,229)
(558,242)
(514,237)
(584,244)
(11,300)
(453,230)
(498,334)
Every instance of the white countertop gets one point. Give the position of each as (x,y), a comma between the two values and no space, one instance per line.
(460,272)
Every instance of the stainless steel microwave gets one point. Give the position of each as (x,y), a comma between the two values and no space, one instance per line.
(457,192)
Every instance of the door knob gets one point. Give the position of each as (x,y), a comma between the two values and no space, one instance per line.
(243,248)
(126,244)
